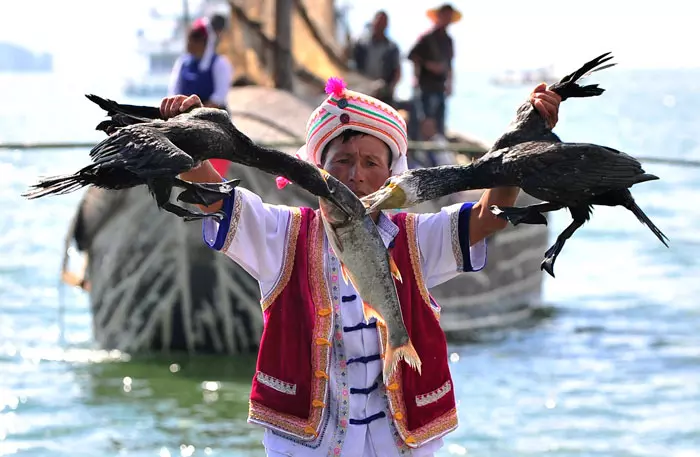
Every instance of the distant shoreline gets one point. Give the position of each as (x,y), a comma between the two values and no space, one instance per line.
(15,58)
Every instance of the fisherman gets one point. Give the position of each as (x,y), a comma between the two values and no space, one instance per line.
(432,57)
(317,388)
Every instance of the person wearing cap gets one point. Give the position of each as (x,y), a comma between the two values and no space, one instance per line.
(203,72)
(317,388)
(432,57)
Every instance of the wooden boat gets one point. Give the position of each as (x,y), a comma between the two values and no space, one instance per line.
(155,286)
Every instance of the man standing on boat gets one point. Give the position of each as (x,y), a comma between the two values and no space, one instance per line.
(317,389)
(432,58)
(377,57)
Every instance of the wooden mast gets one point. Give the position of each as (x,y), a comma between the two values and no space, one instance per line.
(283,55)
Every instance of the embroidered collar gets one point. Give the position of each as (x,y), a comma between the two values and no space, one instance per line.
(387,229)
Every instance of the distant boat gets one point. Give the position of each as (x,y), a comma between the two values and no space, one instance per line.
(525,77)
(160,55)
(15,58)
(160,58)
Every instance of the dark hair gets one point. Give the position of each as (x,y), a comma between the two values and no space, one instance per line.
(198,34)
(218,22)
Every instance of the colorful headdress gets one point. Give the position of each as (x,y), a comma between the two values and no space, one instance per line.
(345,109)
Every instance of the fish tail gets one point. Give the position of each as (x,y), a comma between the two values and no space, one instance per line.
(395,270)
(394,355)
(369,312)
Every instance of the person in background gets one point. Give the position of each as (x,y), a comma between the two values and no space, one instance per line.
(432,58)
(203,72)
(377,57)
(218,25)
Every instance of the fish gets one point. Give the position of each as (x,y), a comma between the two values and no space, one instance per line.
(368,266)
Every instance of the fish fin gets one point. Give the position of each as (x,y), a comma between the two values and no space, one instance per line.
(346,275)
(395,270)
(393,356)
(369,312)
(337,243)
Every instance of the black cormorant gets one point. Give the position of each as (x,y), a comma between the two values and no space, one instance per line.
(143,149)
(563,175)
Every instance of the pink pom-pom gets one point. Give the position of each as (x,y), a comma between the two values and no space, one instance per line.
(282,182)
(335,86)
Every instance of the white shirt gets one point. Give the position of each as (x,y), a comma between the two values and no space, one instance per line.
(256,239)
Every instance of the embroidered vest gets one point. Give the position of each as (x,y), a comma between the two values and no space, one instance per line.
(290,387)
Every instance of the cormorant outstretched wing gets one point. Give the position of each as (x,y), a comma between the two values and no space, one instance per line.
(580,168)
(146,152)
(121,114)
(183,141)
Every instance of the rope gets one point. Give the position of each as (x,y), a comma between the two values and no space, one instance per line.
(468,149)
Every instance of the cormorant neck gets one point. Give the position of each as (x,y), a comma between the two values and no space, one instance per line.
(528,125)
(457,178)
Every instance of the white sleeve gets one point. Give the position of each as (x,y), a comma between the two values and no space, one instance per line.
(253,234)
(223,75)
(173,88)
(443,240)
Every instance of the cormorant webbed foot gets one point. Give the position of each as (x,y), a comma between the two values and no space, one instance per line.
(218,216)
(188,215)
(205,193)
(516,215)
(550,256)
(580,214)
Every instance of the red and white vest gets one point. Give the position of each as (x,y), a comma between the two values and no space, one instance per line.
(290,387)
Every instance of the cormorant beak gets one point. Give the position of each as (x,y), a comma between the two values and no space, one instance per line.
(341,206)
(335,200)
(388,197)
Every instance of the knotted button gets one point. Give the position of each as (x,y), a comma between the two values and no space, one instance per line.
(322,342)
(342,103)
(321,374)
(310,430)
(344,118)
